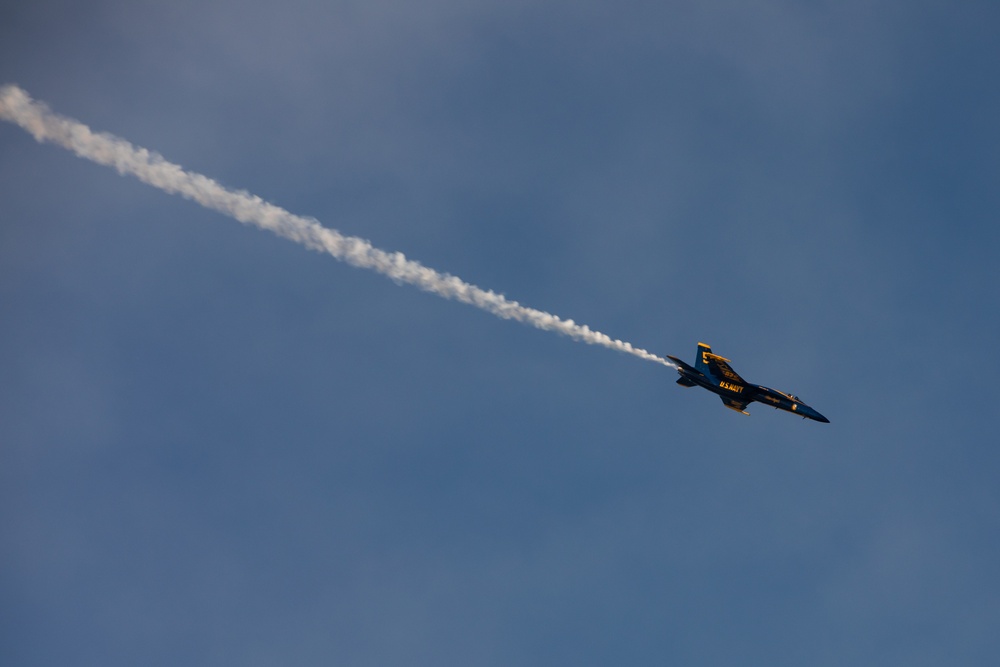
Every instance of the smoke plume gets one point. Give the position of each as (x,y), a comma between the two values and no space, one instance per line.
(35,117)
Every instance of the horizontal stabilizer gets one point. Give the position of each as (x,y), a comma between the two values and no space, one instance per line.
(681,364)
(686,382)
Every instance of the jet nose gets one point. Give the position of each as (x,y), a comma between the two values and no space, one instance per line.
(806,411)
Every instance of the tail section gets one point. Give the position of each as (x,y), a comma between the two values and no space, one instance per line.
(702,357)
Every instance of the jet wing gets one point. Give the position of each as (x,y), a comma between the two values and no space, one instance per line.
(735,404)
(720,368)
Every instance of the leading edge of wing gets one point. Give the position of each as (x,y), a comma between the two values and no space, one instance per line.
(720,365)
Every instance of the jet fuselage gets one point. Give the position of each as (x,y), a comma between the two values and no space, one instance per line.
(714,373)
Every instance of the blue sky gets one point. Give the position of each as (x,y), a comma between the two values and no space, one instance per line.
(219,447)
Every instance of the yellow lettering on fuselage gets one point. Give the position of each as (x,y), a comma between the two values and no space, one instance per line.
(731,387)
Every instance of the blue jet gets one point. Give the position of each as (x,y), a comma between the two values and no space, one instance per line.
(715,374)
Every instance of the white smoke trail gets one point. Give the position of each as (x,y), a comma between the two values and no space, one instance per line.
(35,117)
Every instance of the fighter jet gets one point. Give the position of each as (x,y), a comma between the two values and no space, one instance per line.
(715,374)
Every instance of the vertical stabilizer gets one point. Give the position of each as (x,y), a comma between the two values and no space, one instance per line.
(701,361)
